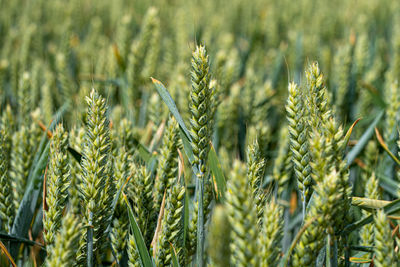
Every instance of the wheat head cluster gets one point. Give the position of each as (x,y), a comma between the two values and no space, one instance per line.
(200,133)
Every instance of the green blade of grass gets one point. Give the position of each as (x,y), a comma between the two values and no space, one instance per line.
(185,134)
(388,184)
(188,151)
(217,174)
(348,134)
(171,105)
(12,238)
(353,153)
(385,147)
(137,234)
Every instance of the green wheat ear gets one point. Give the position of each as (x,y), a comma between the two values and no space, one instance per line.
(24,97)
(95,169)
(143,183)
(271,234)
(255,174)
(318,104)
(242,218)
(383,241)
(66,243)
(58,181)
(120,225)
(321,220)
(283,167)
(219,238)
(139,50)
(168,164)
(171,227)
(133,253)
(372,192)
(201,107)
(298,130)
(20,162)
(7,208)
(392,112)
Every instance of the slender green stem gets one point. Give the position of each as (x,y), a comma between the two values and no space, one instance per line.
(328,250)
(331,251)
(90,241)
(200,220)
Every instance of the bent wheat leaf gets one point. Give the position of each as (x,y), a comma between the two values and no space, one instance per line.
(171,105)
(217,174)
(353,153)
(141,245)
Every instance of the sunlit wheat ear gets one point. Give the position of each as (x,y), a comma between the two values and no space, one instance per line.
(322,156)
(299,132)
(200,107)
(57,184)
(335,142)
(95,169)
(317,95)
